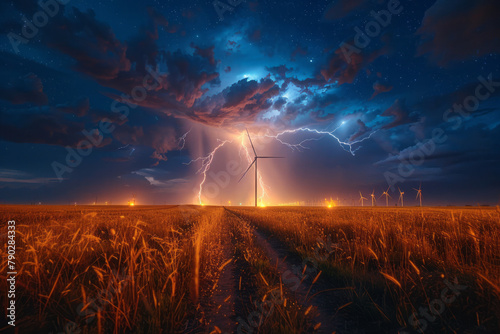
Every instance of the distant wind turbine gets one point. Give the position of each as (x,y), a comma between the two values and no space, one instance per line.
(401,197)
(386,194)
(419,193)
(256,158)
(361,198)
(374,200)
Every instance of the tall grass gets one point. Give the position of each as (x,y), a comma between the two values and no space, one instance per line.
(398,259)
(154,269)
(102,270)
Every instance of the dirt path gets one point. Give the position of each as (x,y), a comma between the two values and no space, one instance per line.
(290,268)
(222,313)
(233,291)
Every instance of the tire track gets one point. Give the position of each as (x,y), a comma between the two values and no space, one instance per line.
(232,291)
(304,290)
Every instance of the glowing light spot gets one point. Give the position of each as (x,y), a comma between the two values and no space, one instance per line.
(330,203)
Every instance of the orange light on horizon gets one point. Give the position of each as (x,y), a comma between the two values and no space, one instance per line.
(330,203)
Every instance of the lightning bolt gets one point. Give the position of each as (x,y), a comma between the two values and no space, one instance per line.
(346,146)
(182,140)
(206,162)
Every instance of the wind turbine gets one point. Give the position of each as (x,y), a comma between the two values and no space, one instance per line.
(401,195)
(386,194)
(374,200)
(419,193)
(361,198)
(255,160)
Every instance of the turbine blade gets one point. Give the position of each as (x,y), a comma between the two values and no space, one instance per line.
(271,157)
(253,148)
(247,170)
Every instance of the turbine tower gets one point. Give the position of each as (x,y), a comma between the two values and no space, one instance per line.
(374,200)
(361,198)
(386,194)
(419,193)
(401,195)
(255,160)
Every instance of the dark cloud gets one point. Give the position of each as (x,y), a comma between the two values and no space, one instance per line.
(231,46)
(363,129)
(207,53)
(123,47)
(158,18)
(400,113)
(187,76)
(279,72)
(379,88)
(160,137)
(97,115)
(279,103)
(340,8)
(28,89)
(254,35)
(80,108)
(91,43)
(40,125)
(434,106)
(143,50)
(241,102)
(454,30)
(345,68)
(298,51)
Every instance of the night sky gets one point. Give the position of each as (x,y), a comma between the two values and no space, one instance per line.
(141,88)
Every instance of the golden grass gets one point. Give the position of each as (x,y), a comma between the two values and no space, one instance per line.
(396,259)
(150,269)
(105,269)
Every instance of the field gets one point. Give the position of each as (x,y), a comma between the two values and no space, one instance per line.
(191,269)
